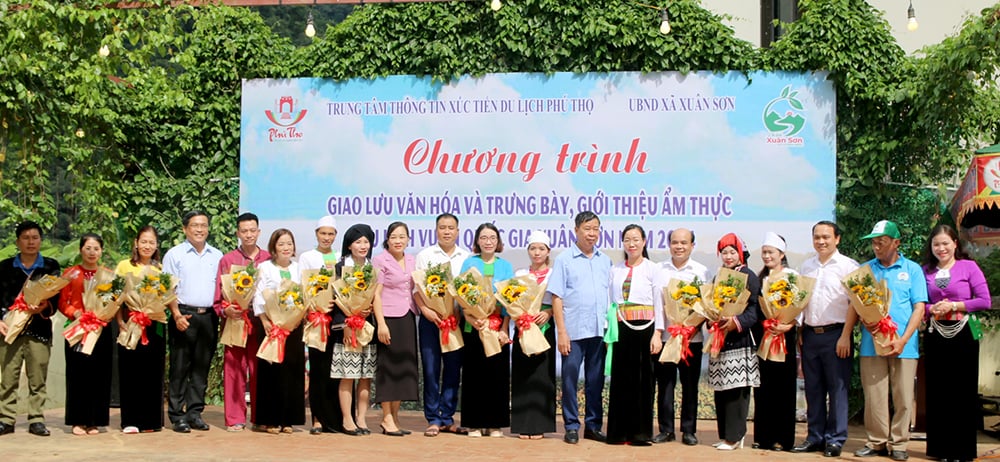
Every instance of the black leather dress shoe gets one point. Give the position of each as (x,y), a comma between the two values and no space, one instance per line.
(808,446)
(689,439)
(6,429)
(832,450)
(571,437)
(664,437)
(38,429)
(899,455)
(870,452)
(181,426)
(595,435)
(198,424)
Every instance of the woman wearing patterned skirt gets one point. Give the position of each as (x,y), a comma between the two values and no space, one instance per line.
(734,372)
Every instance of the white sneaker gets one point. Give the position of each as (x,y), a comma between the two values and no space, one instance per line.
(718,443)
(496,433)
(475,433)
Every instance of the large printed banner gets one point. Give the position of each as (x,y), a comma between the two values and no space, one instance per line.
(716,153)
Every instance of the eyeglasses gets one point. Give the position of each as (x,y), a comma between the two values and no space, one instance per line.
(487,239)
(632,241)
(197,226)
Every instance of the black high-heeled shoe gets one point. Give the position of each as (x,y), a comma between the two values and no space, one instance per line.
(392,433)
(364,431)
(405,431)
(355,432)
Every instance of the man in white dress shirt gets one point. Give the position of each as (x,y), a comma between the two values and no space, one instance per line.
(681,267)
(442,371)
(827,323)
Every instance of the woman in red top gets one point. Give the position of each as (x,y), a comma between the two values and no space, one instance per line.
(88,377)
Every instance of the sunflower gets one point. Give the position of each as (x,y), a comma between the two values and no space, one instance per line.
(244,281)
(323,279)
(780,284)
(464,289)
(345,291)
(360,284)
(359,274)
(433,279)
(106,287)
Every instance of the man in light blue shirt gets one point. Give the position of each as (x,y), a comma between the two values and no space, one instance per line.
(894,373)
(194,325)
(579,283)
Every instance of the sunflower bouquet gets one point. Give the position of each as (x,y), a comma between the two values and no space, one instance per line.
(786,294)
(238,288)
(285,309)
(432,284)
(871,299)
(729,298)
(682,301)
(355,292)
(146,295)
(32,293)
(522,297)
(318,297)
(474,293)
(101,299)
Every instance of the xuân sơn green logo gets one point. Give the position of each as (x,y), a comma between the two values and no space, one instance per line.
(783,118)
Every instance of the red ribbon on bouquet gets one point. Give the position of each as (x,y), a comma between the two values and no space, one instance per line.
(494,322)
(685,333)
(140,319)
(777,340)
(355,323)
(19,304)
(278,334)
(88,322)
(886,326)
(718,338)
(248,326)
(447,324)
(525,322)
(321,320)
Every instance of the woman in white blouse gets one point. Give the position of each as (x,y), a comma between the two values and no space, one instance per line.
(280,401)
(638,307)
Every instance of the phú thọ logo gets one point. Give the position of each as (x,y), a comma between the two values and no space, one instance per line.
(783,118)
(285,117)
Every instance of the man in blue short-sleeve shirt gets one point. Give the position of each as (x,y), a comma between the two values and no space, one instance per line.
(579,283)
(893,373)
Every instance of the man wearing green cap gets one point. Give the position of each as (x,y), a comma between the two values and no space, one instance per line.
(894,373)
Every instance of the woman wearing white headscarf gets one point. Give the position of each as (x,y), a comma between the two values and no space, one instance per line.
(533,378)
(774,399)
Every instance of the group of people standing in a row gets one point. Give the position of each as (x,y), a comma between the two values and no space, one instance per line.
(581,283)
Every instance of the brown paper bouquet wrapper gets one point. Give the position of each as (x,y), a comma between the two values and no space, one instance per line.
(678,314)
(284,319)
(32,294)
(875,314)
(236,331)
(772,347)
(152,306)
(450,337)
(364,336)
(85,329)
(356,337)
(716,338)
(482,310)
(527,306)
(317,328)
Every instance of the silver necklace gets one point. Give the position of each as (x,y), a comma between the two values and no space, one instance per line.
(948,331)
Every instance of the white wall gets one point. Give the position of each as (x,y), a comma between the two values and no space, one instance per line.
(937,18)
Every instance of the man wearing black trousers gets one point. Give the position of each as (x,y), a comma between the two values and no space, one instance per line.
(826,344)
(194,325)
(680,267)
